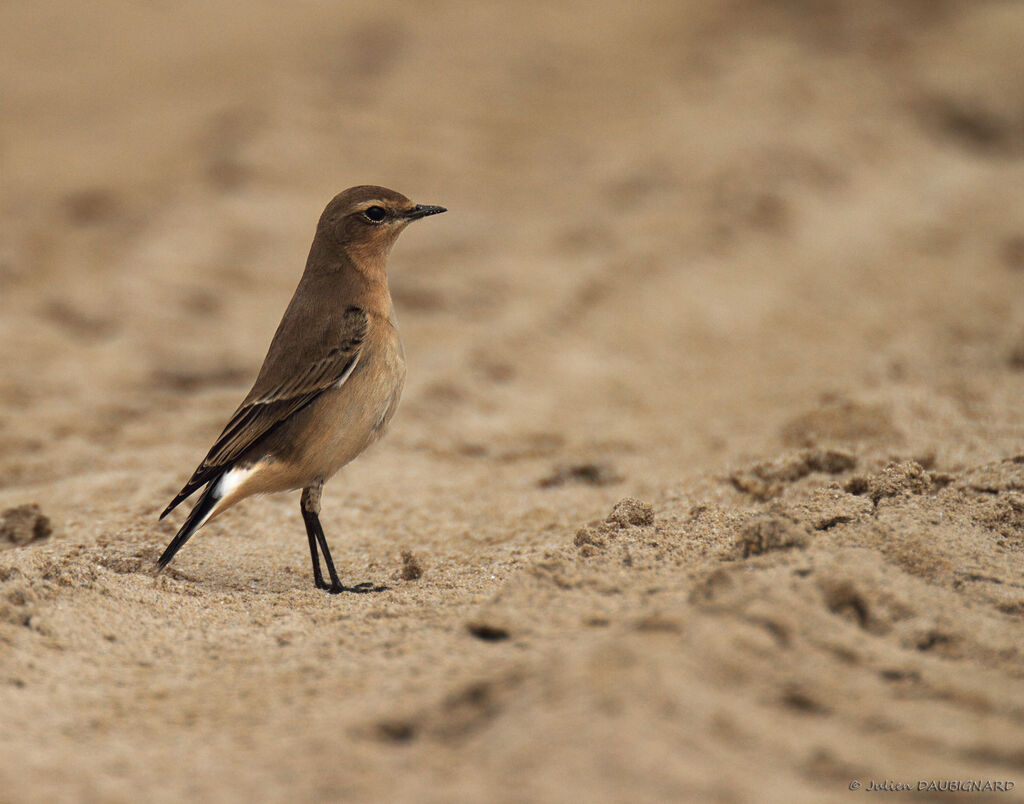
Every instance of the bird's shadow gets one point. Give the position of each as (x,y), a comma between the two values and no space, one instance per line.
(364,588)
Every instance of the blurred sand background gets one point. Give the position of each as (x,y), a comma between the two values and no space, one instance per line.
(757,264)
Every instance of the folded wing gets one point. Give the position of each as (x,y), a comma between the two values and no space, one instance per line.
(261,412)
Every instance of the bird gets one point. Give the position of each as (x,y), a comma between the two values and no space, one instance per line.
(331,380)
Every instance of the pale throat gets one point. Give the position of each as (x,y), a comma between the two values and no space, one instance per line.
(370,261)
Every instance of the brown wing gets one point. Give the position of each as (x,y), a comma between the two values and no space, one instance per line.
(260,414)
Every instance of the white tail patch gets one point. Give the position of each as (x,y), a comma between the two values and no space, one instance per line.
(224,491)
(232,479)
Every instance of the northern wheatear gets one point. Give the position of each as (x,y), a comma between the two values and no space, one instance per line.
(331,379)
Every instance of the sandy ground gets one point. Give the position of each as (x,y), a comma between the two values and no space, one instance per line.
(758,265)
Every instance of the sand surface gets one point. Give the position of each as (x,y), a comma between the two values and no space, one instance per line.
(708,481)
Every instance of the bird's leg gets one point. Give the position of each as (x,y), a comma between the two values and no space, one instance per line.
(335,586)
(315,533)
(310,504)
(318,578)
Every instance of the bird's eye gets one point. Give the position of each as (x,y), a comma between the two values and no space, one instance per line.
(375,214)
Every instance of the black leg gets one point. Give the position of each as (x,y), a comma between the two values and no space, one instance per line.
(310,504)
(315,533)
(335,586)
(312,524)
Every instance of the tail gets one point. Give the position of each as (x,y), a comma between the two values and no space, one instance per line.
(194,521)
(182,496)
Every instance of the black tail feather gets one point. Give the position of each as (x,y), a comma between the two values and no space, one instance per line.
(184,494)
(192,522)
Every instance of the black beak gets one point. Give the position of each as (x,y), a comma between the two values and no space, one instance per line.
(422,210)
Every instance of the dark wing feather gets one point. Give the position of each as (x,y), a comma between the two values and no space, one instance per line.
(259,415)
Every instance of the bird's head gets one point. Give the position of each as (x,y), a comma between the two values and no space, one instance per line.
(365,221)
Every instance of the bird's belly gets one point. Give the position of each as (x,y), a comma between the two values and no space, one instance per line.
(350,417)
